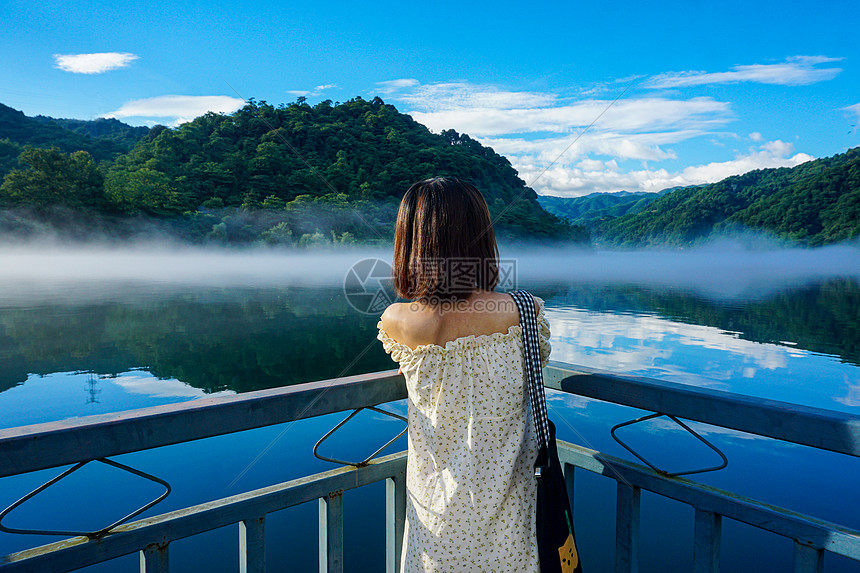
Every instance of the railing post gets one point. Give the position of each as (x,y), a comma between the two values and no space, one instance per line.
(331,533)
(252,545)
(395,517)
(627,529)
(706,545)
(154,559)
(807,559)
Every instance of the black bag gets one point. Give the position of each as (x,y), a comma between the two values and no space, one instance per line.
(555,537)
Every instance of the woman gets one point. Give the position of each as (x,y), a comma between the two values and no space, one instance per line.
(470,502)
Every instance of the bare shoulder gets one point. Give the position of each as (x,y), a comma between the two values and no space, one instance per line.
(410,323)
(504,303)
(401,317)
(393,317)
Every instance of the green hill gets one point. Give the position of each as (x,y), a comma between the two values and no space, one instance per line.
(103,139)
(101,129)
(291,174)
(815,203)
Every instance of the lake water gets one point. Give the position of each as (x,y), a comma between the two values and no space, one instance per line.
(92,332)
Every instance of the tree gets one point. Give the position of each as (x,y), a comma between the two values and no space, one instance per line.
(54,178)
(144,191)
(280,234)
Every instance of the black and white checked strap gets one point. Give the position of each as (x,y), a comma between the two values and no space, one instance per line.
(531,363)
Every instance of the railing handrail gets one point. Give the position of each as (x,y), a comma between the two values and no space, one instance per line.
(824,429)
(52,444)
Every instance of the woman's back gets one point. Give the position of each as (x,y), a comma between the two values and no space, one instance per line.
(471,493)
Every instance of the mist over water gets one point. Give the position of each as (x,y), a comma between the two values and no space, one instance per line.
(29,274)
(722,270)
(718,271)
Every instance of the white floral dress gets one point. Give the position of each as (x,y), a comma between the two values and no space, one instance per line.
(470,502)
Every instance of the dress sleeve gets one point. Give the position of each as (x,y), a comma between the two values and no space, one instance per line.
(543,333)
(392,347)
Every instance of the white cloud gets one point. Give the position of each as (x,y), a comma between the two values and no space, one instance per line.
(552,140)
(318,90)
(771,154)
(574,180)
(390,86)
(93,63)
(177,108)
(606,87)
(636,115)
(642,146)
(630,129)
(591,165)
(453,96)
(795,71)
(856,110)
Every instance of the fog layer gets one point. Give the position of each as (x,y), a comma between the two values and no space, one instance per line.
(726,270)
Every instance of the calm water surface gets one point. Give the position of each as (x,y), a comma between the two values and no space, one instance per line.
(74,347)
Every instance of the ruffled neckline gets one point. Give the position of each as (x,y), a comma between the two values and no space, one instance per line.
(468,341)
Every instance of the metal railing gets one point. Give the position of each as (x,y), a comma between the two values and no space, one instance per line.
(822,429)
(32,448)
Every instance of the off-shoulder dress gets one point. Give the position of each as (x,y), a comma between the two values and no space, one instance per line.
(470,502)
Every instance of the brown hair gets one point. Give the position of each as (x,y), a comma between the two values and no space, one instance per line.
(444,245)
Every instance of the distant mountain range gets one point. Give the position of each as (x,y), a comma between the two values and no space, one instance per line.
(590,210)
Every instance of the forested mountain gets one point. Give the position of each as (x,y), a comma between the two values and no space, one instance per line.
(815,203)
(101,128)
(287,174)
(103,139)
(591,209)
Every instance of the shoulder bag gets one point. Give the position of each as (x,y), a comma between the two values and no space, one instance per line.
(554,520)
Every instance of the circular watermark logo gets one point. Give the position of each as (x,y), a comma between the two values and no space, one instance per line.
(369,286)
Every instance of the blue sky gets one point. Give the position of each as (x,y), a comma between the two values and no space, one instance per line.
(705,90)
